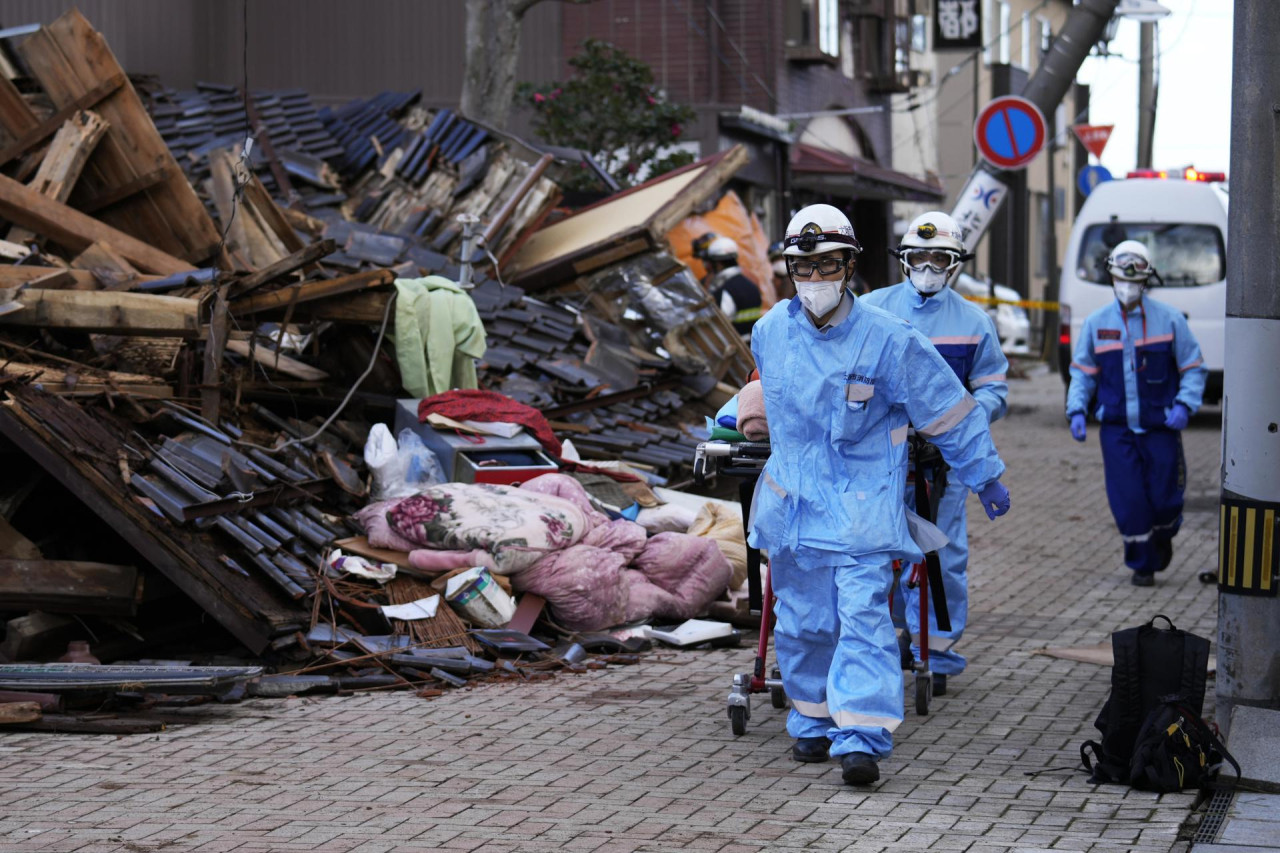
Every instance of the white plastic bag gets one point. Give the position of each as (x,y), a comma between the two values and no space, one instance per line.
(384,463)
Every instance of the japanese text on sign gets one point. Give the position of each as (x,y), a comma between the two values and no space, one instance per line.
(958,24)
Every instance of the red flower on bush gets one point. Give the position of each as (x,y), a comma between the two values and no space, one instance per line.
(538,97)
(676,130)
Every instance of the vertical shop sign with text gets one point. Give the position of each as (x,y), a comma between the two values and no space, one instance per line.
(957,24)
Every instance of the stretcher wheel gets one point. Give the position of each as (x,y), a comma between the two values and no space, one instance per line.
(924,692)
(699,471)
(777,696)
(738,719)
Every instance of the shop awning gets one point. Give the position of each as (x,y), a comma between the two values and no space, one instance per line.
(825,171)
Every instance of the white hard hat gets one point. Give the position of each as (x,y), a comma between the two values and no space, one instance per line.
(819,228)
(722,249)
(1129,261)
(933,230)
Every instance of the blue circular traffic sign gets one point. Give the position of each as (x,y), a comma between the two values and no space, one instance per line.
(1009,132)
(1090,177)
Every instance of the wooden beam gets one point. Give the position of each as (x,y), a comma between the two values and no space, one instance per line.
(16,276)
(69,58)
(69,586)
(310,291)
(71,228)
(19,712)
(33,137)
(215,343)
(308,254)
(111,271)
(276,361)
(362,309)
(70,383)
(146,314)
(67,154)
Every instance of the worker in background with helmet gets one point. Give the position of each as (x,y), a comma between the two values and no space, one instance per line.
(840,383)
(783,286)
(930,254)
(737,295)
(1137,369)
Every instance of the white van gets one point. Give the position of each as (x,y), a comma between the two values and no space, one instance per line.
(1182,220)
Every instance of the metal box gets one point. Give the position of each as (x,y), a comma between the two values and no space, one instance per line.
(477,459)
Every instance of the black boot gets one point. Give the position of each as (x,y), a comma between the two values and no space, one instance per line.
(810,750)
(858,768)
(1143,579)
(939,684)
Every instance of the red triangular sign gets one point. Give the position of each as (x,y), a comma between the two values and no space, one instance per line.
(1093,136)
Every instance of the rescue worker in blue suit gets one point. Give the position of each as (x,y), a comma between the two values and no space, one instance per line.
(840,382)
(1137,369)
(930,253)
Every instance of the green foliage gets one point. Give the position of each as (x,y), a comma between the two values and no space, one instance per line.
(612,110)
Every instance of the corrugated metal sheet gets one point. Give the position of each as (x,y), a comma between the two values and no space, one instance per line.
(335,49)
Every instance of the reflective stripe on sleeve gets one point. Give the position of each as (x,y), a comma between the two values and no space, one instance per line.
(987,380)
(1084,369)
(746,315)
(899,435)
(1194,364)
(950,418)
(773,484)
(956,339)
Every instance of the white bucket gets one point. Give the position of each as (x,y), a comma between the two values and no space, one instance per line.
(477,596)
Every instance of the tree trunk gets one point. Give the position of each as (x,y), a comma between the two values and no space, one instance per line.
(493,49)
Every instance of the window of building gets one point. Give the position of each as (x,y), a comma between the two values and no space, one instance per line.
(811,28)
(1006,22)
(1025,30)
(848,65)
(1046,37)
(920,33)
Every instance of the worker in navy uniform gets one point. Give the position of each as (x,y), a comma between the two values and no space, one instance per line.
(737,295)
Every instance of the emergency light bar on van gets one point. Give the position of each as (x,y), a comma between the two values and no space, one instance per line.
(1187,174)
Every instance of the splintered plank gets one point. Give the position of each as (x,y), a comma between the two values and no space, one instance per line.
(16,116)
(70,58)
(71,228)
(69,383)
(117,313)
(310,291)
(64,161)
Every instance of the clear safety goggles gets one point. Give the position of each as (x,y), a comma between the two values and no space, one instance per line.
(1129,265)
(803,267)
(940,260)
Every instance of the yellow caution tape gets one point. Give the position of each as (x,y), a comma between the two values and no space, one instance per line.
(1025,303)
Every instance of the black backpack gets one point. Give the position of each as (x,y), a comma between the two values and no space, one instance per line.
(1151,666)
(1176,750)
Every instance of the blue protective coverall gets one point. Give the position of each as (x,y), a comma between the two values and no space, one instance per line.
(1128,370)
(966,338)
(829,504)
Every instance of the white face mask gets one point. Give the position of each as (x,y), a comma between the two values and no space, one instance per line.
(1128,292)
(928,280)
(819,297)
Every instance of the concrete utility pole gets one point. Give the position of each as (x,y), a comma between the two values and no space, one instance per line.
(1249,536)
(988,185)
(1146,93)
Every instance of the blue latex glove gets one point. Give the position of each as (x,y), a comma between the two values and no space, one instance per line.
(1177,417)
(995,498)
(1077,426)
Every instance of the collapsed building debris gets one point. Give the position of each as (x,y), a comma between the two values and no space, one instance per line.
(196,344)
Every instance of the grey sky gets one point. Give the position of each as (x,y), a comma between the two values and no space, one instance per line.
(1193,115)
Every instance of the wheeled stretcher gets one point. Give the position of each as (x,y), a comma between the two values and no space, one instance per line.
(745,460)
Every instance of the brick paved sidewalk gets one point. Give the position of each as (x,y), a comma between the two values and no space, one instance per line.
(641,758)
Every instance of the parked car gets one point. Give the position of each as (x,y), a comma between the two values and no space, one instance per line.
(1013,325)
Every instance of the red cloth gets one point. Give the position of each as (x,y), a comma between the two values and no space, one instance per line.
(475,405)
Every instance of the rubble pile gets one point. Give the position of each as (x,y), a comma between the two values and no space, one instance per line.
(200,339)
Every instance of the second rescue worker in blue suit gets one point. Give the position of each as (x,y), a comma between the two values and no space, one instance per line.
(840,382)
(931,251)
(1137,369)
